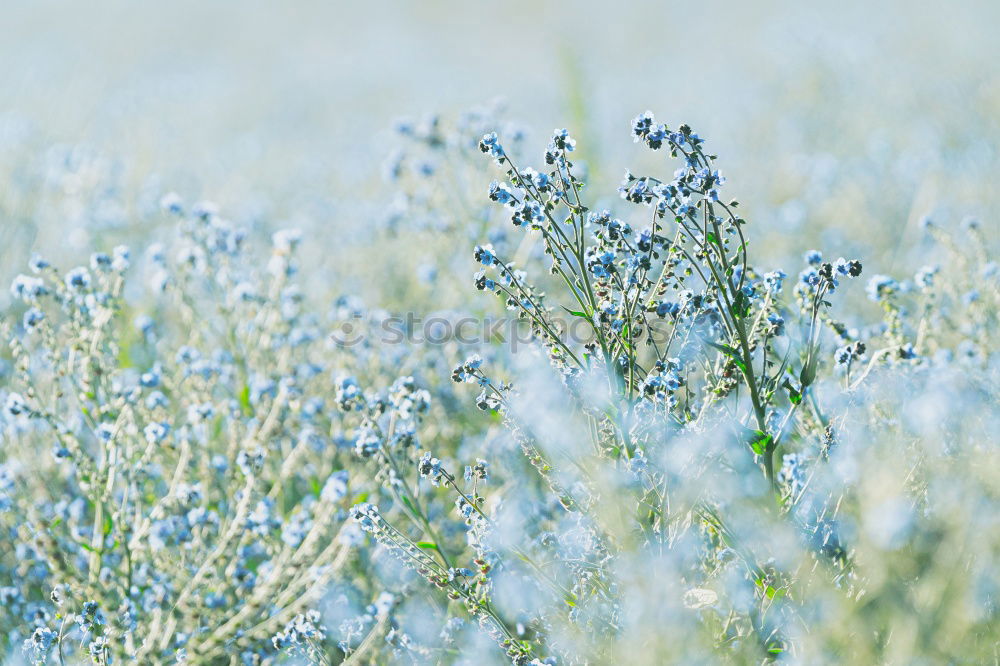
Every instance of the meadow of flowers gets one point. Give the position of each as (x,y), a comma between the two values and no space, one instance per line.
(494,410)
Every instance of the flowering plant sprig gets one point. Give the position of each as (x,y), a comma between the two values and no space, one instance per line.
(634,289)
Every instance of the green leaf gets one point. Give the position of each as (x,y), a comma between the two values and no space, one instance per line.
(576,313)
(725,349)
(794,395)
(712,238)
(742,307)
(124,354)
(245,399)
(728,351)
(773,593)
(759,441)
(429,545)
(361,497)
(808,374)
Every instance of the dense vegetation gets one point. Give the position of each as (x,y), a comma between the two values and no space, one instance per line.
(666,452)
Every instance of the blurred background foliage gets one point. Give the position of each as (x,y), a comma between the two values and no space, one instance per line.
(841,125)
